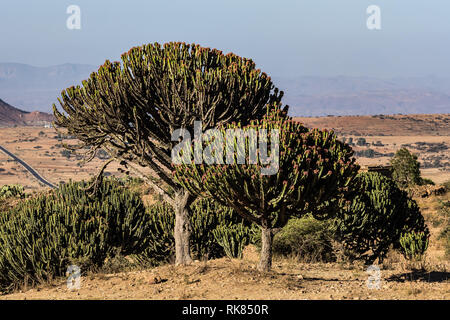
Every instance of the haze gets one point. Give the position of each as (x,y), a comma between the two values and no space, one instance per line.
(285,38)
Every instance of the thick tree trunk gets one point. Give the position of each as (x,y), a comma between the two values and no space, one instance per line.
(265,260)
(182,232)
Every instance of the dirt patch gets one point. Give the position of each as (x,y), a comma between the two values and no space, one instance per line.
(238,279)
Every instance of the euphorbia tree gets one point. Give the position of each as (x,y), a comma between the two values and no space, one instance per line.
(311,168)
(376,217)
(130,110)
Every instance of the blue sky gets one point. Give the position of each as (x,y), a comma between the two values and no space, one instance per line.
(284,38)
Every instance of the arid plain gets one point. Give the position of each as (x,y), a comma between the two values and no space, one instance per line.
(426,135)
(374,139)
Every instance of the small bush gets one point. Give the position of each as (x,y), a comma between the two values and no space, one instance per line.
(445,236)
(426,181)
(406,168)
(446,185)
(12,191)
(308,239)
(413,245)
(232,238)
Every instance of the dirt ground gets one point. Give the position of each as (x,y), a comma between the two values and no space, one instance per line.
(386,125)
(238,279)
(42,150)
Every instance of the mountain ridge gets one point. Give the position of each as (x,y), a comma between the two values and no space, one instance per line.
(37,88)
(10,116)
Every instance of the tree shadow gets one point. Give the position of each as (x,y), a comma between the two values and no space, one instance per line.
(419,275)
(330,279)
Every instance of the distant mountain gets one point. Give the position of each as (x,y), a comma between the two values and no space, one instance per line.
(10,116)
(37,88)
(319,96)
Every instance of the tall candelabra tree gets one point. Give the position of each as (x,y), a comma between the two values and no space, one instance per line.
(130,109)
(312,168)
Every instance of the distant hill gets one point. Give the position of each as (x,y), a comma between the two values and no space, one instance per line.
(10,116)
(383,125)
(37,88)
(321,96)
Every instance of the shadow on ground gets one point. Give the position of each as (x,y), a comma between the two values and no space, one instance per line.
(417,275)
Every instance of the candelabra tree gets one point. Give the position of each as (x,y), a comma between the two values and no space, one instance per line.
(304,170)
(130,109)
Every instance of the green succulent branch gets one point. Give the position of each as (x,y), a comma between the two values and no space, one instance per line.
(131,108)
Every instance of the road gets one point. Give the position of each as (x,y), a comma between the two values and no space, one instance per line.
(28,168)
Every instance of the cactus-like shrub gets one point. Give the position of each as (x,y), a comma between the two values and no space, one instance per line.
(413,245)
(305,238)
(12,191)
(311,167)
(233,239)
(375,217)
(40,237)
(216,231)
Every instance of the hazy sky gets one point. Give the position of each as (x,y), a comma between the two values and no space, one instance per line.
(284,38)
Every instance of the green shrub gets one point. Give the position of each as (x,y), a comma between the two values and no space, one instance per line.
(208,238)
(446,185)
(413,245)
(306,238)
(12,191)
(426,181)
(445,236)
(406,168)
(41,236)
(232,238)
(375,217)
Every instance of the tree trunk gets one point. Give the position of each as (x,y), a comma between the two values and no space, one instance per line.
(182,232)
(265,260)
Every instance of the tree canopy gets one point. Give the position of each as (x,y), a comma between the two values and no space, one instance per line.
(406,168)
(131,108)
(313,167)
